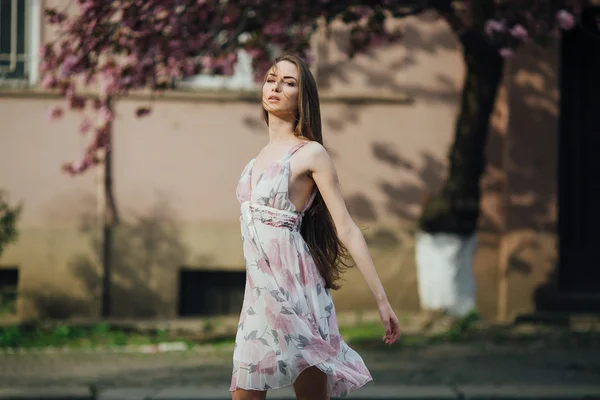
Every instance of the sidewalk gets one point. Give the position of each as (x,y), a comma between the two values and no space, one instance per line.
(371,392)
(543,364)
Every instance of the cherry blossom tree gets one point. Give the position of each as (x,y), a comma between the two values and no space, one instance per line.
(107,49)
(489,32)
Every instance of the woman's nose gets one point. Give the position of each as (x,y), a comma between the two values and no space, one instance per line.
(276,87)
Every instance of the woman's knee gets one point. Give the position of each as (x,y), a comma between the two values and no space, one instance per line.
(311,384)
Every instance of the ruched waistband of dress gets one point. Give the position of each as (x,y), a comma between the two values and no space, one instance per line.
(273,216)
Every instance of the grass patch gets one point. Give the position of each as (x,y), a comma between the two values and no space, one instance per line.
(365,335)
(38,335)
(362,332)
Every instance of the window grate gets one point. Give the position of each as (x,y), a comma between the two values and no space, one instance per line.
(15,58)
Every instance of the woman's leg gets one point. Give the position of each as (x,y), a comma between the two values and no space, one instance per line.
(241,394)
(311,384)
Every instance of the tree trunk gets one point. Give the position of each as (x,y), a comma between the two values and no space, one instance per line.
(455,209)
(108,224)
(446,245)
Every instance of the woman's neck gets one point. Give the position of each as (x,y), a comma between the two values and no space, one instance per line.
(280,130)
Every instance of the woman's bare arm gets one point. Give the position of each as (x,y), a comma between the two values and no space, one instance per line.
(326,178)
(320,165)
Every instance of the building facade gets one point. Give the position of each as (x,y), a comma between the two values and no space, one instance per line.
(388,118)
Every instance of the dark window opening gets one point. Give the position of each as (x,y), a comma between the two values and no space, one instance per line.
(9,282)
(13,49)
(210,292)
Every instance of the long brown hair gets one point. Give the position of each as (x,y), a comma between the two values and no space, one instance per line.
(318,230)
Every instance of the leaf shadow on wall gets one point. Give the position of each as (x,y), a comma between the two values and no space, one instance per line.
(414,43)
(532,165)
(147,253)
(342,70)
(533,158)
(404,199)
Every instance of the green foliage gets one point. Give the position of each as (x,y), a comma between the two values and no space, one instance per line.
(100,335)
(66,335)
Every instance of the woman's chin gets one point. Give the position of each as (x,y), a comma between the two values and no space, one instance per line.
(278,111)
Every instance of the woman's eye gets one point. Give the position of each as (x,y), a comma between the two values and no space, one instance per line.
(292,84)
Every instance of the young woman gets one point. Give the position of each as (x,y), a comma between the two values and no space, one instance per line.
(296,232)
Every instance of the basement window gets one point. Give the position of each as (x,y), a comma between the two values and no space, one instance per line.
(9,282)
(210,292)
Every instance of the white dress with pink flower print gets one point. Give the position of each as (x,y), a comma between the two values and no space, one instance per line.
(288,321)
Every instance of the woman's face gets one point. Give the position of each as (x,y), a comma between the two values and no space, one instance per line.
(280,90)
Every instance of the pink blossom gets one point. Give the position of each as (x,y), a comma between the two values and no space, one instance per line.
(519,32)
(44,67)
(57,18)
(565,19)
(55,113)
(130,60)
(273,28)
(87,6)
(105,114)
(506,52)
(253,52)
(127,81)
(48,82)
(308,58)
(493,26)
(80,165)
(108,85)
(189,68)
(45,50)
(208,62)
(85,126)
(363,11)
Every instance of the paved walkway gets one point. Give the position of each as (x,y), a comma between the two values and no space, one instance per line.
(372,392)
(474,369)
(562,368)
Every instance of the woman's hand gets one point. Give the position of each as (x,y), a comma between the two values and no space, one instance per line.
(390,322)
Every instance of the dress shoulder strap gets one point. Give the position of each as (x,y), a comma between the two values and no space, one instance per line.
(295,148)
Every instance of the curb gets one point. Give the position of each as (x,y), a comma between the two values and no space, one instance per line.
(397,392)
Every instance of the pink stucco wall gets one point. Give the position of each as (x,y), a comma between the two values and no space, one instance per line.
(182,163)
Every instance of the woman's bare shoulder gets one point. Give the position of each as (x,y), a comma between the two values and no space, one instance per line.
(316,157)
(315,150)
